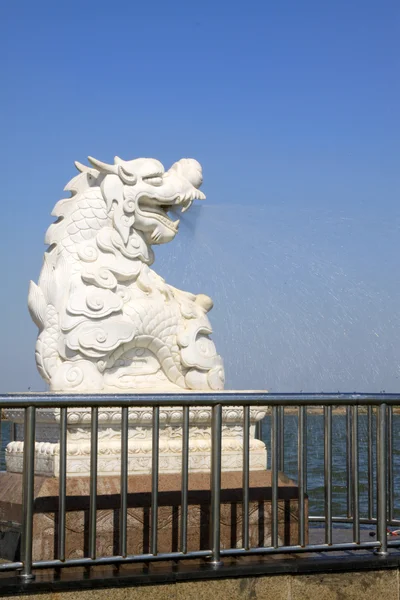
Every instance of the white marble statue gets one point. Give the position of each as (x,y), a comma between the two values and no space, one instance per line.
(107,322)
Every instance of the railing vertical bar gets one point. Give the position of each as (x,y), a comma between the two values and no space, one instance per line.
(355,467)
(216,447)
(328,472)
(381,467)
(370,464)
(13,432)
(349,476)
(28,479)
(258,432)
(185,478)
(305,451)
(93,481)
(154,478)
(281,438)
(390,478)
(124,481)
(1,437)
(301,468)
(246,477)
(274,475)
(62,492)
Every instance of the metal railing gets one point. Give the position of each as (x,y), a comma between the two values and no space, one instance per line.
(376,408)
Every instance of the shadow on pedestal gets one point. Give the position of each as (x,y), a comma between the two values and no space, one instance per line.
(139,522)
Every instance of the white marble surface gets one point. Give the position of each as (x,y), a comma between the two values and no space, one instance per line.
(107,322)
(47,461)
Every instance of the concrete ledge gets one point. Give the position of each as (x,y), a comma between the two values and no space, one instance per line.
(349,575)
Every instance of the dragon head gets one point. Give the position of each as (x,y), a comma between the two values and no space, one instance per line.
(140,193)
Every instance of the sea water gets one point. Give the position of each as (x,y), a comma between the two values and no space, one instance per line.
(315,460)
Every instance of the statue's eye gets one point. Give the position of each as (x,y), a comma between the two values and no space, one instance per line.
(154,180)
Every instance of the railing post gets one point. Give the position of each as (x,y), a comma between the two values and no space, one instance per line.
(328,473)
(390,477)
(258,430)
(281,438)
(274,476)
(123,518)
(93,482)
(155,449)
(381,479)
(28,493)
(302,471)
(370,465)
(62,484)
(216,447)
(13,432)
(349,464)
(185,478)
(355,471)
(246,477)
(1,436)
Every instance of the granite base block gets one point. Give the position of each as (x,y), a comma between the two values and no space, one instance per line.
(139,513)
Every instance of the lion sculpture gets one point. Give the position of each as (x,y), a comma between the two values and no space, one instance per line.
(107,322)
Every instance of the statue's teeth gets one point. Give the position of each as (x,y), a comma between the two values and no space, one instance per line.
(186,206)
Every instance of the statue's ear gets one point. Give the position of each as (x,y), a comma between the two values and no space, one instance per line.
(112,189)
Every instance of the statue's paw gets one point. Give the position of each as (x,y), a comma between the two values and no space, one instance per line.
(216,377)
(79,376)
(196,380)
(212,380)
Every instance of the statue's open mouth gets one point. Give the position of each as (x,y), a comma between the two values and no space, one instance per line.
(158,211)
(158,208)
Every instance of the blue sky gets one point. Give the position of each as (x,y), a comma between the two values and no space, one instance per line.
(291,107)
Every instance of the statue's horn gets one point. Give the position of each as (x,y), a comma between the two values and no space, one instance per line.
(117,169)
(82,168)
(103,167)
(126,176)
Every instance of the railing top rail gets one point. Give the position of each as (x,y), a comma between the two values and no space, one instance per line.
(228,398)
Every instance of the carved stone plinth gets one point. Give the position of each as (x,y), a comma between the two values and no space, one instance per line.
(139,441)
(139,513)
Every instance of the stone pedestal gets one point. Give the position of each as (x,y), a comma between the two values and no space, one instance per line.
(139,513)
(140,441)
